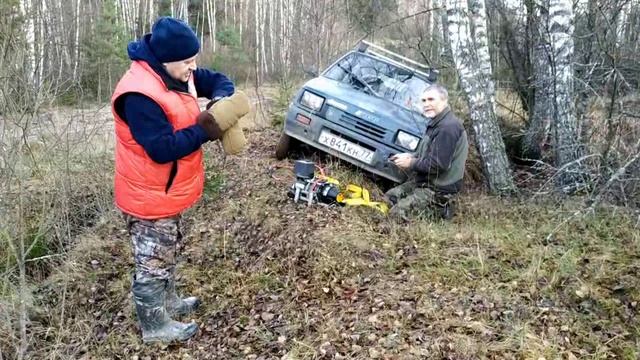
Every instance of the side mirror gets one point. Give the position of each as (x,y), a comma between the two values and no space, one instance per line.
(311,71)
(433,75)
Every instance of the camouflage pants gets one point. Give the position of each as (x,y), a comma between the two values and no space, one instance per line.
(410,199)
(155,246)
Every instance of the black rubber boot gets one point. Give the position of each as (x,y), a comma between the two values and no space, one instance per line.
(176,305)
(448,210)
(156,325)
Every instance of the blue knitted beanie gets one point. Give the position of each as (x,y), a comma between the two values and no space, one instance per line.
(173,40)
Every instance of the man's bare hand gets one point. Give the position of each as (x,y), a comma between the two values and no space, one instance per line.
(403,160)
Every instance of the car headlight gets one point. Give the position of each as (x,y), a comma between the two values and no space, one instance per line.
(311,100)
(407,140)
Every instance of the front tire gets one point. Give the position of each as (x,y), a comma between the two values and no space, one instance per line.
(285,145)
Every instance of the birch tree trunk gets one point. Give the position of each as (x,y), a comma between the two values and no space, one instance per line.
(233,13)
(43,35)
(271,36)
(474,72)
(263,48)
(542,111)
(26,8)
(241,18)
(152,14)
(211,21)
(183,10)
(281,34)
(226,22)
(257,48)
(215,24)
(140,18)
(288,37)
(76,42)
(568,150)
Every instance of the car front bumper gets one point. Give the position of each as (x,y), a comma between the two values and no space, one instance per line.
(310,134)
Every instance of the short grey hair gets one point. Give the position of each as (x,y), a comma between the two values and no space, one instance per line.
(439,89)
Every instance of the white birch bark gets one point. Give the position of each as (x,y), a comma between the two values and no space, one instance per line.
(233,13)
(130,12)
(26,8)
(49,34)
(241,18)
(271,36)
(263,51)
(567,148)
(207,12)
(257,38)
(286,35)
(226,22)
(481,46)
(63,51)
(183,10)
(281,40)
(621,21)
(204,16)
(215,24)
(76,41)
(474,72)
(41,45)
(152,14)
(116,12)
(211,20)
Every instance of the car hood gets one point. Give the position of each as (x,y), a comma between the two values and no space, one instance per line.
(371,108)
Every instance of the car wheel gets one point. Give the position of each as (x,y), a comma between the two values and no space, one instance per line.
(285,145)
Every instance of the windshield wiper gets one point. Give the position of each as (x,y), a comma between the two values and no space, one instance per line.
(354,76)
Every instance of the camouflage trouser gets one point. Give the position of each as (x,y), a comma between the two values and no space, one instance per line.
(410,199)
(154,244)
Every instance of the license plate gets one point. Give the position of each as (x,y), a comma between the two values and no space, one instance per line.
(346,147)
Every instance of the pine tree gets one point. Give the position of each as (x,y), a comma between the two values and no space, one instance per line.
(105,52)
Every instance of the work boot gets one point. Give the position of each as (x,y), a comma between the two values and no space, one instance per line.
(176,305)
(448,210)
(157,326)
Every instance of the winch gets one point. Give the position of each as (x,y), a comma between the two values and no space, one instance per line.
(311,189)
(322,189)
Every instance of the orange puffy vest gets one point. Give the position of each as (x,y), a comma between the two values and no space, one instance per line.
(141,183)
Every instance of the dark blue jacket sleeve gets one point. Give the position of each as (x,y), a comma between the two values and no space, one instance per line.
(211,84)
(152,130)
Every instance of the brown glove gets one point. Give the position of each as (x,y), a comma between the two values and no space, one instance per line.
(233,140)
(227,111)
(208,122)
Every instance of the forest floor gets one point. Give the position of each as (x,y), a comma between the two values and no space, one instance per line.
(528,277)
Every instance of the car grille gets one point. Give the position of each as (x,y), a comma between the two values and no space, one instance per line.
(363,127)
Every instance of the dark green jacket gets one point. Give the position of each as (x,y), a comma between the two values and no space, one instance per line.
(442,154)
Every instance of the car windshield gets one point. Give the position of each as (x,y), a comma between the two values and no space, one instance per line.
(372,75)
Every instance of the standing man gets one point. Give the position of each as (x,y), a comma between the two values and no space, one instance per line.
(158,164)
(438,169)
